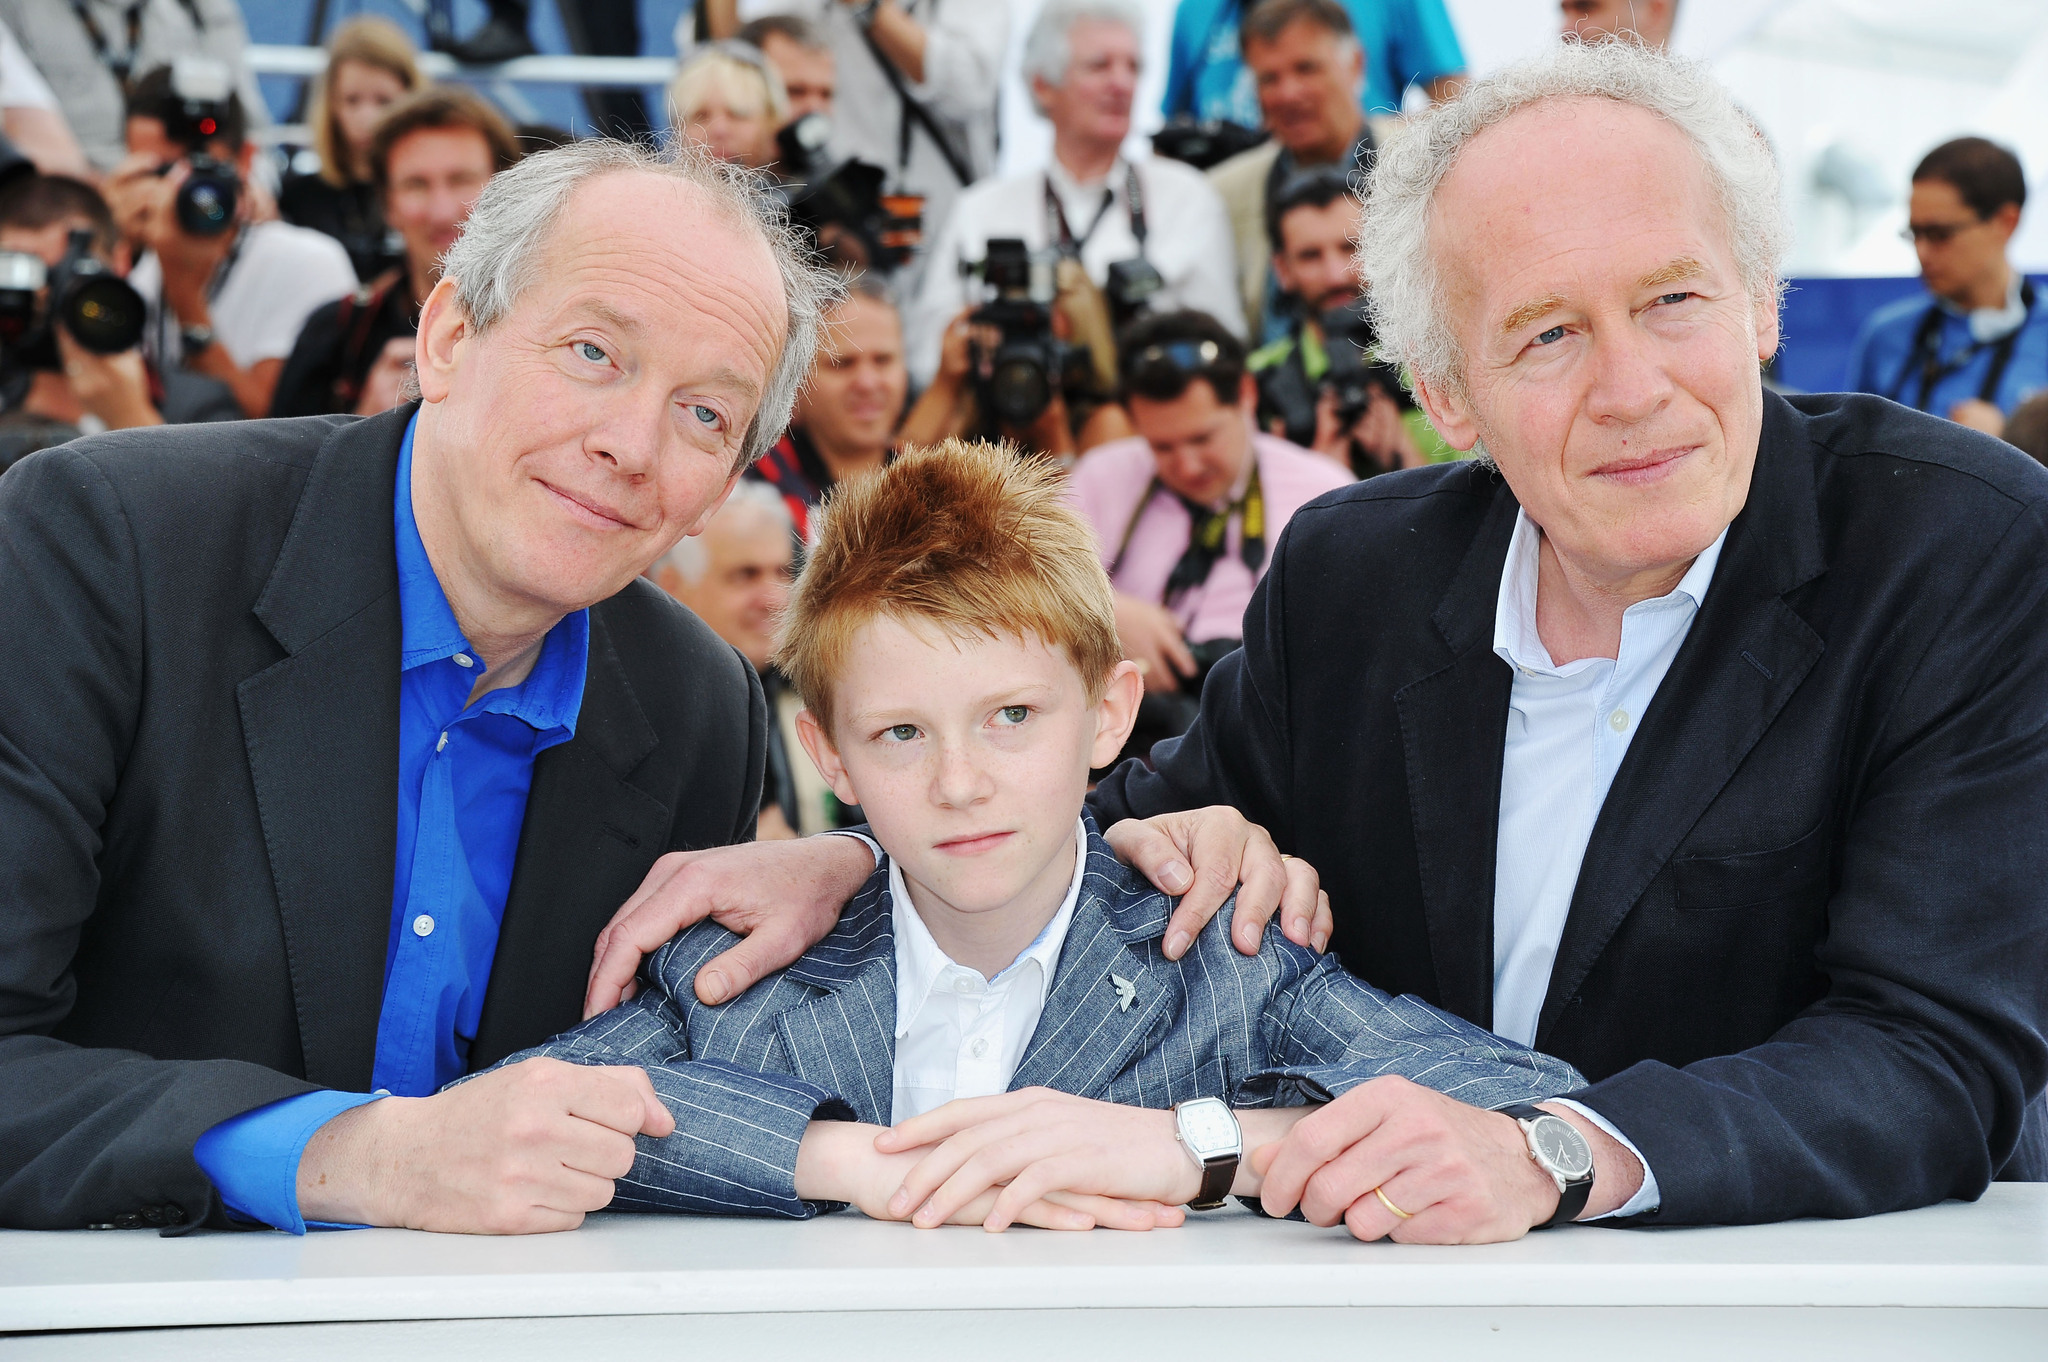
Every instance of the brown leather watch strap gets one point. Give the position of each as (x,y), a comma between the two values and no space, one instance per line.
(1216,1180)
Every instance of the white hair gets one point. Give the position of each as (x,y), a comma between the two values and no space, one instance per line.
(496,257)
(1396,253)
(1047,50)
(750,501)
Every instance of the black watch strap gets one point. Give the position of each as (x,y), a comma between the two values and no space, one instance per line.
(1573,1197)
(1216,1180)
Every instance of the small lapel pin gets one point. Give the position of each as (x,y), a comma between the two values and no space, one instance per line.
(1126,992)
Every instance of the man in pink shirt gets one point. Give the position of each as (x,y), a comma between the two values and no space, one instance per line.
(1186,512)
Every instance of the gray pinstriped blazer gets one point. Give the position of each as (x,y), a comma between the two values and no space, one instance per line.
(1282,1028)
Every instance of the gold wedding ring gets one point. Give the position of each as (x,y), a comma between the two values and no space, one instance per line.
(1405,1215)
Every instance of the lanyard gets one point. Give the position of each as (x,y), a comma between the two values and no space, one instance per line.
(1926,353)
(1206,532)
(1071,245)
(118,65)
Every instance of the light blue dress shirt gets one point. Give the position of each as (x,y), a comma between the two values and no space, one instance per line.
(464,771)
(1885,362)
(1569,727)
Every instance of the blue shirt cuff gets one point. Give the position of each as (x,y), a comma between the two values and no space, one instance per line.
(253,1159)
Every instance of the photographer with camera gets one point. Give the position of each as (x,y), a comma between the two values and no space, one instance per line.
(846,415)
(801,56)
(1319,385)
(71,327)
(1186,513)
(1146,234)
(1309,70)
(227,296)
(429,157)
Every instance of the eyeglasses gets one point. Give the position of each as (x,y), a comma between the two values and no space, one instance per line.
(1162,372)
(1934,233)
(1182,357)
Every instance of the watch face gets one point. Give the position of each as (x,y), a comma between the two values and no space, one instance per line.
(1208,1128)
(1561,1148)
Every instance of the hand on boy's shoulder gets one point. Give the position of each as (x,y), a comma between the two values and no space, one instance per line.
(781,898)
(1229,854)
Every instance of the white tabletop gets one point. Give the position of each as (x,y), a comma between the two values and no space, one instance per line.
(1989,1255)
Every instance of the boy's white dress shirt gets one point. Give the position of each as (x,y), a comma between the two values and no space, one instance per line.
(958,1034)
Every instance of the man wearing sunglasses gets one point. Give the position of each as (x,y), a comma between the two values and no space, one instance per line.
(1186,511)
(1977,347)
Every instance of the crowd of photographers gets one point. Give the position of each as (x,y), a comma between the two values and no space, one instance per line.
(1186,330)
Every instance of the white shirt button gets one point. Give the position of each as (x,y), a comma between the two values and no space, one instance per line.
(1618,721)
(464,660)
(441,744)
(979,1049)
(962,984)
(423,925)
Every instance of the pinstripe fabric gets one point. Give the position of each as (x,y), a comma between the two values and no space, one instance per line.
(1280,1028)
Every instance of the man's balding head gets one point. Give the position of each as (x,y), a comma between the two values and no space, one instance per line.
(616,334)
(1577,258)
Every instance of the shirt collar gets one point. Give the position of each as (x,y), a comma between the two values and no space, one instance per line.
(920,961)
(550,697)
(1515,637)
(1991,324)
(1071,190)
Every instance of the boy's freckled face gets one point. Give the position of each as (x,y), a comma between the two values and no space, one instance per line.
(970,758)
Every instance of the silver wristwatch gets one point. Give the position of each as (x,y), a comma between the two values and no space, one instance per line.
(1556,1147)
(1207,1128)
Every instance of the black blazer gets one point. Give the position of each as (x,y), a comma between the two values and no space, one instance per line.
(1806,962)
(199,637)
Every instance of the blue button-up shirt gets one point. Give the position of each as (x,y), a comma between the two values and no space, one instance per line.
(464,770)
(1886,362)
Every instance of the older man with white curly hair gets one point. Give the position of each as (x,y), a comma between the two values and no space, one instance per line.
(1694,735)
(327,746)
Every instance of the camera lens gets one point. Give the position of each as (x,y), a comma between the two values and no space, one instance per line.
(207,198)
(104,315)
(1019,389)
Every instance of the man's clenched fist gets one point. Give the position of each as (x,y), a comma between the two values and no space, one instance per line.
(526,1149)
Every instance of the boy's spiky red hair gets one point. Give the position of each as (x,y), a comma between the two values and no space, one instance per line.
(969,537)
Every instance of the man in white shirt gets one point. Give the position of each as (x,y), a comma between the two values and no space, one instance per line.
(228,304)
(1082,62)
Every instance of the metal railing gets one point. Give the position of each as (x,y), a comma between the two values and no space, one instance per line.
(271,60)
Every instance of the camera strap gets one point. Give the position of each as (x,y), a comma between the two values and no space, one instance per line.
(1926,354)
(1056,214)
(915,114)
(1208,531)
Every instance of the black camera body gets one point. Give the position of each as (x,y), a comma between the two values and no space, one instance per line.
(1350,341)
(1016,379)
(1129,288)
(95,306)
(841,205)
(1202,143)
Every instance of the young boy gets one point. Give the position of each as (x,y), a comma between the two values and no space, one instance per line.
(952,636)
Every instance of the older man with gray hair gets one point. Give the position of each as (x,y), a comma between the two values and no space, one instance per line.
(1155,221)
(1694,735)
(328,745)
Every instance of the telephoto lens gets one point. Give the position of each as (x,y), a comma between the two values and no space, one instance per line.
(96,306)
(208,197)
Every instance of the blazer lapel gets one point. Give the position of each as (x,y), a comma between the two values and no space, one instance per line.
(1453,732)
(587,841)
(321,730)
(1748,651)
(844,1040)
(1106,997)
